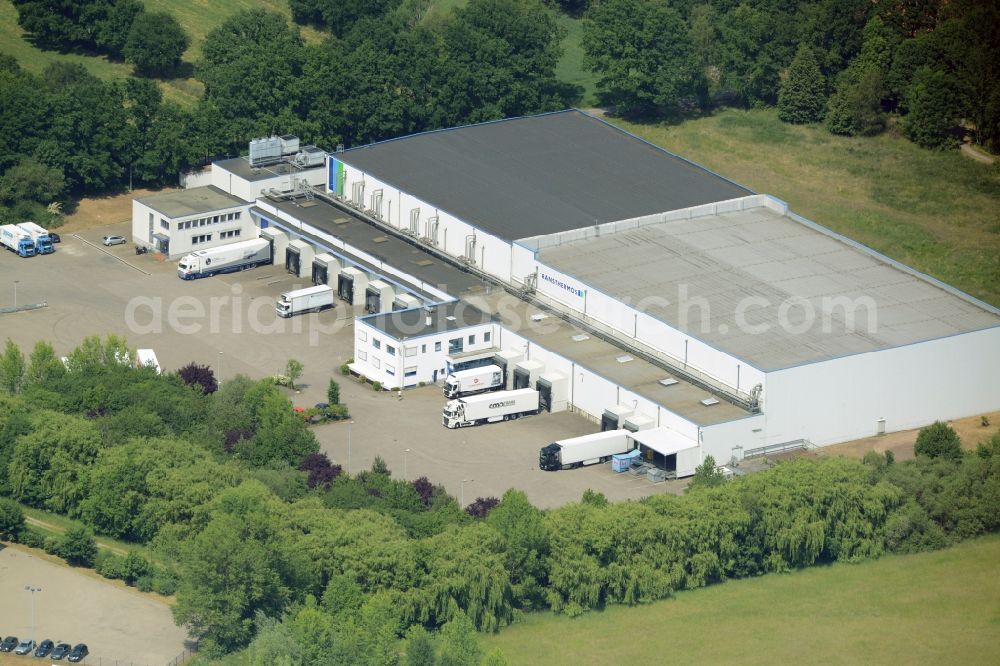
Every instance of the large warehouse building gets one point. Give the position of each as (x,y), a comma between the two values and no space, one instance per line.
(631,286)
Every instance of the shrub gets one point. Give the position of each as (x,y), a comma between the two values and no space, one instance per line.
(322,472)
(165,583)
(77,547)
(938,440)
(134,567)
(32,539)
(199,375)
(482,507)
(344,370)
(333,393)
(376,386)
(338,412)
(144,584)
(11,520)
(110,566)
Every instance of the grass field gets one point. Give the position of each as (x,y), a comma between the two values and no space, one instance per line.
(197,17)
(940,607)
(936,211)
(570,68)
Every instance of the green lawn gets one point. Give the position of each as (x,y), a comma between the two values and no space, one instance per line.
(936,211)
(197,17)
(941,607)
(570,68)
(62,523)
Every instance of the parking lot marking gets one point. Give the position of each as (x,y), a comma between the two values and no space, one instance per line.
(110,254)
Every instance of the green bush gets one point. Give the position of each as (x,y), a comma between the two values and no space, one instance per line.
(134,567)
(344,370)
(77,547)
(144,584)
(938,440)
(164,583)
(11,520)
(376,386)
(338,412)
(32,538)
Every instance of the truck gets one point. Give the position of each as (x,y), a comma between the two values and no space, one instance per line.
(584,450)
(230,258)
(16,240)
(473,381)
(39,236)
(475,410)
(310,299)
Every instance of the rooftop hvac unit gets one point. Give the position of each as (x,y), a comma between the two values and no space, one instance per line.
(310,156)
(405,302)
(289,144)
(265,151)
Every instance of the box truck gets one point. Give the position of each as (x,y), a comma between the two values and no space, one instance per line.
(16,240)
(584,450)
(310,299)
(225,259)
(489,408)
(473,381)
(39,236)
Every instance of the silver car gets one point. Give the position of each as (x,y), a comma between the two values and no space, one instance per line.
(25,646)
(114,240)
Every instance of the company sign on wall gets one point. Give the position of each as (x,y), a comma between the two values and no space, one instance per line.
(558,286)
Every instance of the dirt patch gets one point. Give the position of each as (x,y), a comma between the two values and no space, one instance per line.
(99,211)
(977,154)
(970,429)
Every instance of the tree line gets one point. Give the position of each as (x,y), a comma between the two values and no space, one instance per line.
(273,548)
(388,69)
(851,64)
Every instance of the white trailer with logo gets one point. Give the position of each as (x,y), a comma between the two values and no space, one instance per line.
(476,410)
(310,299)
(225,259)
(473,381)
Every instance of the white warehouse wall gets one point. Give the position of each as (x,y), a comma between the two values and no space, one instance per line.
(843,399)
(492,254)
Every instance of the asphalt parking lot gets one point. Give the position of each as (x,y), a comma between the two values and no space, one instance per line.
(228,322)
(118,624)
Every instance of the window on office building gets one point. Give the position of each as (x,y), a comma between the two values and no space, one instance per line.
(455,346)
(391,350)
(376,343)
(486,336)
(472,339)
(437,346)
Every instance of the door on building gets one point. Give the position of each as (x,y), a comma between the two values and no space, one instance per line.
(292,261)
(521,378)
(545,395)
(345,288)
(319,275)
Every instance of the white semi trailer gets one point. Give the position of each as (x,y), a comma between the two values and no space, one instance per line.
(489,408)
(584,450)
(473,381)
(225,259)
(17,240)
(310,299)
(39,236)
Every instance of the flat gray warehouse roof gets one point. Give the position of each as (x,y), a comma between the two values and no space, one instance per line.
(541,174)
(745,266)
(194,201)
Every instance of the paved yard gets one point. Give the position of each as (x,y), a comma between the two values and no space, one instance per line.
(115,622)
(228,322)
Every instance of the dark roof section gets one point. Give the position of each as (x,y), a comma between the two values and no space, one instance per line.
(541,174)
(413,323)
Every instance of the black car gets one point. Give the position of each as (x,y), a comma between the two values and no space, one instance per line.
(60,651)
(9,644)
(54,237)
(79,652)
(44,648)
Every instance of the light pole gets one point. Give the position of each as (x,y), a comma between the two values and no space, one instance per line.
(220,367)
(405,475)
(32,590)
(462,500)
(351,423)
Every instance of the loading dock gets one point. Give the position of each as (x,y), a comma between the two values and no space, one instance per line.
(351,284)
(669,450)
(324,267)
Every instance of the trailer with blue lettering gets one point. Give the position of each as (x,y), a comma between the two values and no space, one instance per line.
(17,240)
(476,410)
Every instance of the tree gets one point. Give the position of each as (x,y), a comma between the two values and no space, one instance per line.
(642,53)
(293,370)
(43,365)
(11,367)
(938,440)
(495,658)
(321,471)
(459,646)
(77,546)
(279,434)
(155,44)
(199,375)
(11,519)
(338,15)
(100,25)
(801,97)
(932,111)
(482,507)
(706,475)
(30,180)
(856,105)
(333,393)
(419,647)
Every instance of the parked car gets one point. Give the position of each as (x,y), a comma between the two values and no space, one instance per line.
(44,648)
(25,646)
(61,651)
(79,652)
(54,237)
(114,240)
(8,644)
(322,405)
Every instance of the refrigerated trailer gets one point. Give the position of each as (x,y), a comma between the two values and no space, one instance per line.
(16,240)
(585,450)
(225,259)
(476,410)
(310,299)
(39,236)
(473,381)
